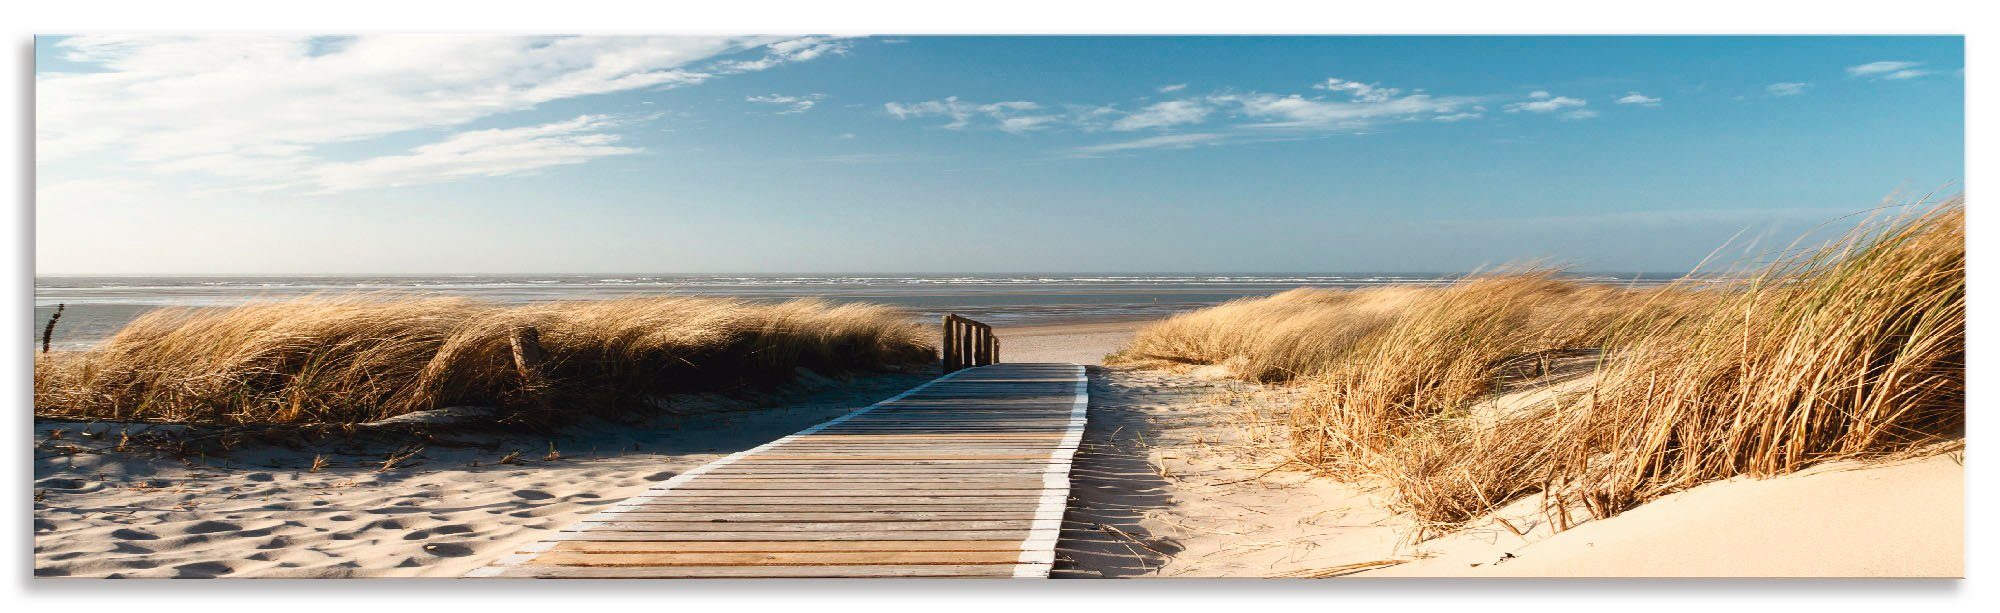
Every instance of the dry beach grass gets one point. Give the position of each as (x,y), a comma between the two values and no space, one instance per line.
(1853,350)
(350,359)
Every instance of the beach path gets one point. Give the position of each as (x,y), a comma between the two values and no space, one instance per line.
(964,476)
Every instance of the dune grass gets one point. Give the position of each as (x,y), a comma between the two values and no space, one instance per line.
(1852,350)
(359,358)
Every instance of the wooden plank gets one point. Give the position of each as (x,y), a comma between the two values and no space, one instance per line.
(963,476)
(778,515)
(858,535)
(1014,508)
(767,485)
(780,546)
(811,499)
(855,493)
(815,558)
(753,572)
(929,525)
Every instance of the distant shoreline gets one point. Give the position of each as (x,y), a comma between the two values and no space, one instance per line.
(97,306)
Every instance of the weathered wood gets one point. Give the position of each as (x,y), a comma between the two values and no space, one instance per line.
(966,343)
(775,572)
(857,535)
(783,515)
(528,354)
(808,558)
(938,525)
(945,346)
(964,476)
(778,546)
(1014,508)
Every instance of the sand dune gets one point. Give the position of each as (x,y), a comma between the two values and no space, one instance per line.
(448,509)
(1844,519)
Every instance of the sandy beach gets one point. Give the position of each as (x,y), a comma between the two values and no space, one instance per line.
(1180,475)
(1183,475)
(450,507)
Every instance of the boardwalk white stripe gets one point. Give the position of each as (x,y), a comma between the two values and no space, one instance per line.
(574,531)
(1038,550)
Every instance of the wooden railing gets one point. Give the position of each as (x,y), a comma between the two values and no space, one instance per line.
(968,343)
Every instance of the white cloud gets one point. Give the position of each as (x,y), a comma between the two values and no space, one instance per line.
(1012,115)
(1542,102)
(793,105)
(1887,70)
(1364,105)
(1364,92)
(255,109)
(786,52)
(1365,109)
(1349,106)
(490,153)
(1168,89)
(1026,123)
(1580,114)
(1168,141)
(1639,99)
(1163,114)
(1787,88)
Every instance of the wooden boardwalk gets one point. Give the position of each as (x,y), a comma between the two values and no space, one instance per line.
(964,476)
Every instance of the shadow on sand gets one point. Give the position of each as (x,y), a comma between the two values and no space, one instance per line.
(1112,486)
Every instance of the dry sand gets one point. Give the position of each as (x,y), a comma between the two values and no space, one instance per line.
(1080,343)
(1842,519)
(1179,475)
(1172,481)
(1185,476)
(451,507)
(260,511)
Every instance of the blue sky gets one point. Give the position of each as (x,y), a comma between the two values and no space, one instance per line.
(409,154)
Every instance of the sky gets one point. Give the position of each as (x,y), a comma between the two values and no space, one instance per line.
(506,154)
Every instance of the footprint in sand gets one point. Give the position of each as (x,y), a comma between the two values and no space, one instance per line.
(59,483)
(130,534)
(533,495)
(130,548)
(211,527)
(383,524)
(203,570)
(447,550)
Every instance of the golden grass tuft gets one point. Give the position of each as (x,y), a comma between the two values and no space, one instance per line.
(359,358)
(1853,350)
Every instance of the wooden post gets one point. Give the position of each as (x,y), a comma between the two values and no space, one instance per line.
(946,348)
(528,354)
(965,344)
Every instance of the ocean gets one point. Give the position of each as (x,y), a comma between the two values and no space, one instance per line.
(97,306)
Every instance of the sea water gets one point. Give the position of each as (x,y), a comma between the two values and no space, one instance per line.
(97,306)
